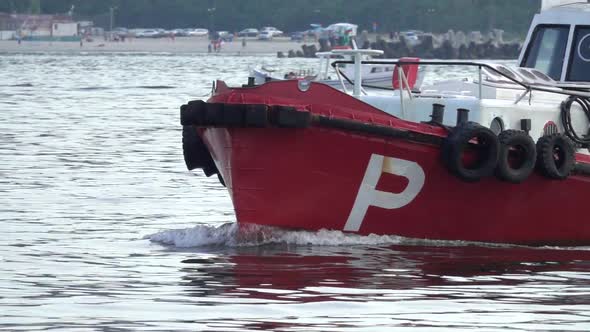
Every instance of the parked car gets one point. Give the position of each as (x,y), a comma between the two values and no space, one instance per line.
(251,32)
(198,32)
(120,31)
(150,33)
(265,35)
(180,32)
(119,34)
(226,36)
(272,30)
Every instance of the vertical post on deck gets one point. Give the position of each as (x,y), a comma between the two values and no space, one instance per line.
(356,92)
(401,90)
(480,95)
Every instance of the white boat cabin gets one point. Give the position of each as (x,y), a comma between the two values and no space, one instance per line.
(554,64)
(558,44)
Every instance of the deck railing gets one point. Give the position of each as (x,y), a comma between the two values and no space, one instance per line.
(480,65)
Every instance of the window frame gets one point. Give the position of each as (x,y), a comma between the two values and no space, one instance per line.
(573,50)
(532,43)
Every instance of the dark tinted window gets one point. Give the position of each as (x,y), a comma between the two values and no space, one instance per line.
(546,51)
(579,68)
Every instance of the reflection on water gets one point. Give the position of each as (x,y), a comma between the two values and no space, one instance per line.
(104,229)
(460,287)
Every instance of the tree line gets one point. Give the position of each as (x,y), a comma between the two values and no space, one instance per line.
(389,15)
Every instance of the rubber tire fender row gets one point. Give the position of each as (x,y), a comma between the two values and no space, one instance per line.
(487,151)
(290,117)
(556,156)
(521,141)
(201,113)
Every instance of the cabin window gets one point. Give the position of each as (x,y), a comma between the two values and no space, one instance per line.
(546,51)
(579,68)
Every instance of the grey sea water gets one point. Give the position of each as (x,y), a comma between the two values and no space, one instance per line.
(103,229)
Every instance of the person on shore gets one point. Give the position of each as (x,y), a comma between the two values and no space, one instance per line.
(243,42)
(209,48)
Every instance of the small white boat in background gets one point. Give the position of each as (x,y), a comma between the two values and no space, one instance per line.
(378,76)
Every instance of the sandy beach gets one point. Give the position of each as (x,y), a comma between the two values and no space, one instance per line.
(178,45)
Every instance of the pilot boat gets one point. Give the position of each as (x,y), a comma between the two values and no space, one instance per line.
(503,157)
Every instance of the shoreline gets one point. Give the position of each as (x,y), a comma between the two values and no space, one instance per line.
(179,45)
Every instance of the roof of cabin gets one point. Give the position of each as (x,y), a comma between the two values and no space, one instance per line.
(568,6)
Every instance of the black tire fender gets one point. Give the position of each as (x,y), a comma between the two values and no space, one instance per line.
(192,114)
(196,154)
(516,143)
(556,156)
(481,141)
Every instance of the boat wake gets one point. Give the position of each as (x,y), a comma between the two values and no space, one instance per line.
(245,235)
(250,235)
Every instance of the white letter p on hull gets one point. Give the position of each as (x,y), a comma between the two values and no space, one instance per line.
(369,196)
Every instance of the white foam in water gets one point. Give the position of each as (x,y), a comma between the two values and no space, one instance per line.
(243,235)
(232,235)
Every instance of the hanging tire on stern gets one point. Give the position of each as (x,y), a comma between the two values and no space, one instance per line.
(556,156)
(471,151)
(517,157)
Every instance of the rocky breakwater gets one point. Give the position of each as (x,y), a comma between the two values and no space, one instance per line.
(307,51)
(451,45)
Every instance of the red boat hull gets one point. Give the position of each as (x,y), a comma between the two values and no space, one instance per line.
(320,178)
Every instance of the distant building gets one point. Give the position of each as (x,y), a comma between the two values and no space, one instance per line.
(8,26)
(40,27)
(9,22)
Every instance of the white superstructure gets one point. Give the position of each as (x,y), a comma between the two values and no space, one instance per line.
(548,4)
(554,64)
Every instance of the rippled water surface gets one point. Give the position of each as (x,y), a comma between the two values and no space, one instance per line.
(102,227)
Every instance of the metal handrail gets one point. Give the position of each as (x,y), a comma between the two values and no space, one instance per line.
(480,65)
